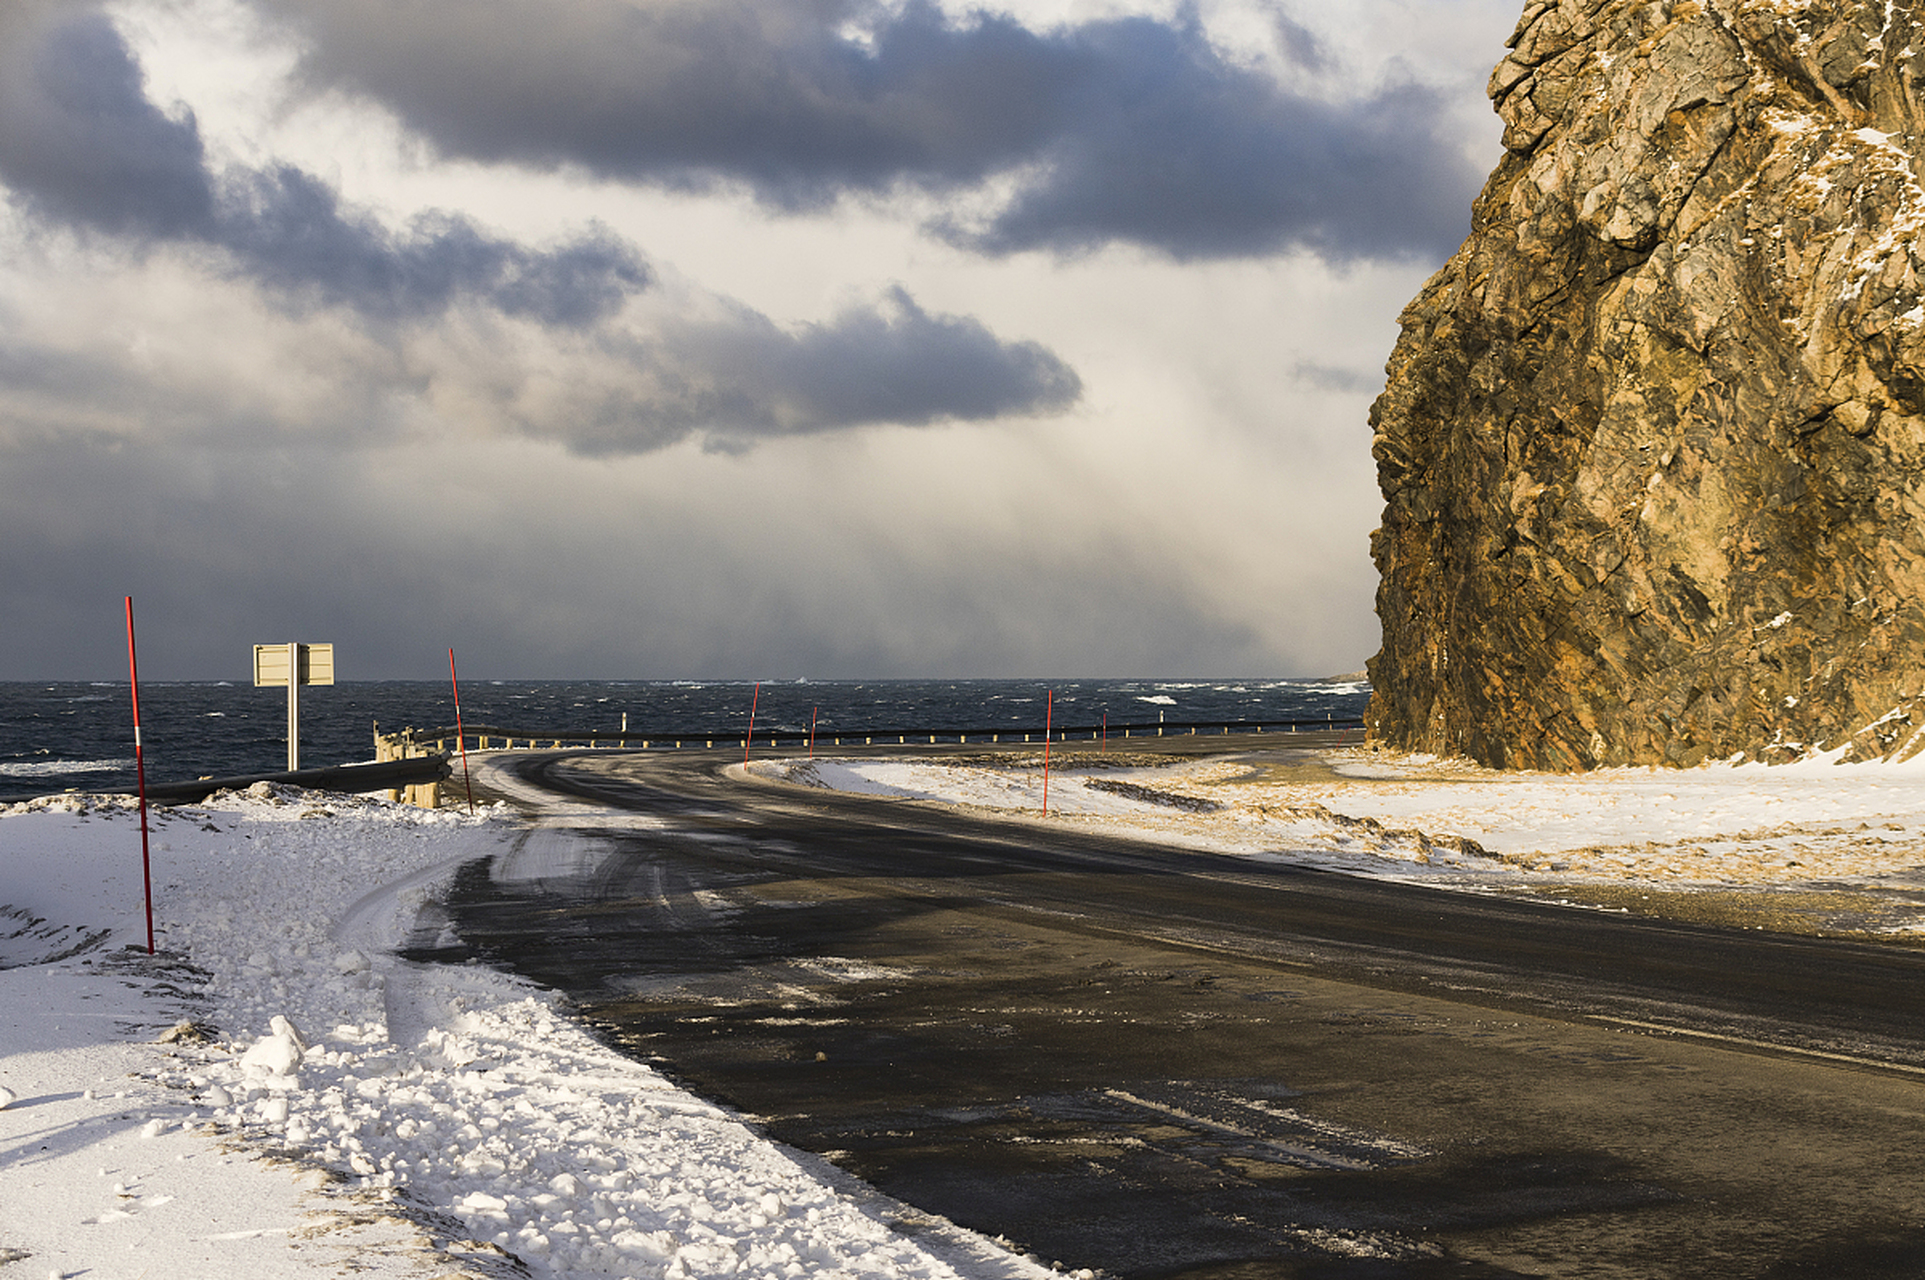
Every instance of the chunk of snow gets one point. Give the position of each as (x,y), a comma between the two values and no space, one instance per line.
(276,1055)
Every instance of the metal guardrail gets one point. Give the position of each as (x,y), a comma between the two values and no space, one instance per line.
(387,775)
(412,741)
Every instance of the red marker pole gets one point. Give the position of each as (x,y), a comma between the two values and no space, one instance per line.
(812,715)
(461,742)
(750,736)
(1049,708)
(140,773)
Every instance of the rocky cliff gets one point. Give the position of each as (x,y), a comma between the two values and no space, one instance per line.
(1653,443)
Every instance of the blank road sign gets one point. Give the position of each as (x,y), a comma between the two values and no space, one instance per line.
(271,664)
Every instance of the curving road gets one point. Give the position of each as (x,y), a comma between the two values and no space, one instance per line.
(1151,1062)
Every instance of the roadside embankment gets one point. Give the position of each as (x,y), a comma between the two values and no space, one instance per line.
(1815,847)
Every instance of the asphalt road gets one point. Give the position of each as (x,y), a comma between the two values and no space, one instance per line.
(1154,1063)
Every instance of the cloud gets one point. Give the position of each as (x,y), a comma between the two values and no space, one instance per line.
(291,232)
(268,401)
(1131,129)
(81,142)
(724,374)
(1200,178)
(686,565)
(1342,381)
(892,362)
(222,367)
(82,146)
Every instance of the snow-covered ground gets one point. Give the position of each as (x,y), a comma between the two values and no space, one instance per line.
(1719,827)
(350,1111)
(279,1094)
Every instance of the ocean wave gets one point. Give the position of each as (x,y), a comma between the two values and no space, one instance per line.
(49,768)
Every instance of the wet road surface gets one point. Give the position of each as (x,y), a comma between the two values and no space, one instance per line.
(1153,1063)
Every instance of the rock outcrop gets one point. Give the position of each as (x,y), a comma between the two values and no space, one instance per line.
(1653,443)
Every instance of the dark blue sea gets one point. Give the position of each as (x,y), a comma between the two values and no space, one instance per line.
(79,736)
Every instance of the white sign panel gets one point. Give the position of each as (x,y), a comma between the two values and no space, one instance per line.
(271,664)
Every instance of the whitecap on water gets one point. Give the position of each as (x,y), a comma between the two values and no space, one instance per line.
(47,768)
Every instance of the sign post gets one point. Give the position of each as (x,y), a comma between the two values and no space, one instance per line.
(293,665)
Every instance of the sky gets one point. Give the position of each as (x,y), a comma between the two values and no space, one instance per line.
(632,339)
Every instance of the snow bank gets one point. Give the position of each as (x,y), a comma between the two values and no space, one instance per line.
(450,1113)
(1378,813)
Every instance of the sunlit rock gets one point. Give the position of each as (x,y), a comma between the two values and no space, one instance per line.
(1653,442)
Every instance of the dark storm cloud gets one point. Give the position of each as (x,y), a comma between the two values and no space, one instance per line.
(81,141)
(1128,129)
(1196,177)
(739,377)
(1298,41)
(893,363)
(223,548)
(292,233)
(81,145)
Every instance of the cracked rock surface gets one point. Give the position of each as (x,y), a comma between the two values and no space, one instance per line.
(1652,446)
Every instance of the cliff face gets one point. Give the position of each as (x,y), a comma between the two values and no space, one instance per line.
(1653,443)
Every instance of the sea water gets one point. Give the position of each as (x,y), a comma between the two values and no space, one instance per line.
(57,736)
